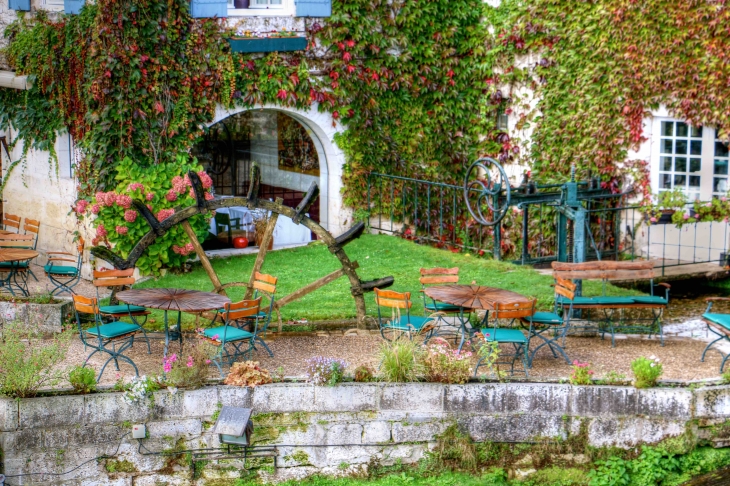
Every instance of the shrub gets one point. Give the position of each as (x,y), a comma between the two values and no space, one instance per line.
(400,361)
(139,389)
(613,378)
(364,374)
(581,374)
(489,354)
(247,373)
(28,363)
(646,371)
(189,370)
(325,371)
(444,365)
(83,379)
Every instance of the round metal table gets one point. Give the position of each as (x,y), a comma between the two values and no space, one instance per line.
(15,256)
(178,300)
(477,297)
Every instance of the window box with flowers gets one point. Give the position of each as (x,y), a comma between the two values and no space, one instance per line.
(280,41)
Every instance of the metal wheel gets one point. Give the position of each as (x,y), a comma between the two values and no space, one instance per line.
(215,151)
(487,191)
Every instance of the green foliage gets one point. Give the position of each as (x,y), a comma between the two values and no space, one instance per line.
(612,378)
(400,361)
(27,364)
(445,365)
(489,354)
(455,447)
(162,189)
(581,374)
(646,371)
(364,374)
(82,379)
(189,369)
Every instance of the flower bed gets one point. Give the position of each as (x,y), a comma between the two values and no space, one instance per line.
(45,319)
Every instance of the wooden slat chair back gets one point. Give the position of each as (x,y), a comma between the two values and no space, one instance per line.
(265,285)
(111,338)
(63,276)
(11,222)
(17,241)
(510,335)
(401,322)
(438,276)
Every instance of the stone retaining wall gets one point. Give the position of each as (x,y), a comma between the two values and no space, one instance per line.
(46,319)
(329,430)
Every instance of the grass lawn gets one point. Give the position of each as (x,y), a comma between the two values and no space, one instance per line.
(378,256)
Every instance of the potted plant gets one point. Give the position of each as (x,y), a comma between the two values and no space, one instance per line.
(241,3)
(668,203)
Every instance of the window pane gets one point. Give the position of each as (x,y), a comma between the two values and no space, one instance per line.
(665,163)
(695,147)
(261,2)
(665,181)
(667,129)
(680,164)
(721,167)
(680,180)
(666,146)
(695,165)
(694,181)
(680,146)
(275,2)
(697,132)
(693,196)
(719,185)
(720,149)
(681,129)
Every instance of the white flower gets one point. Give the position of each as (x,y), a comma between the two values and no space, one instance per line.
(652,365)
(652,357)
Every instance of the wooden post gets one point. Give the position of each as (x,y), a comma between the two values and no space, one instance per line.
(263,248)
(203,258)
(307,289)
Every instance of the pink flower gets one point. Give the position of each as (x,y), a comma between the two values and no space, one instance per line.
(135,186)
(101,198)
(179,184)
(723,199)
(207,361)
(209,196)
(94,241)
(124,201)
(122,230)
(205,179)
(150,196)
(163,214)
(191,193)
(653,219)
(216,337)
(110,198)
(171,195)
(190,362)
(130,216)
(95,209)
(101,231)
(81,206)
(686,216)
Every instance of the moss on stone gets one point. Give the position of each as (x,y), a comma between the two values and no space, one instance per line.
(114,466)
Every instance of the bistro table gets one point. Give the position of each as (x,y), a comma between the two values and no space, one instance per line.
(476,297)
(178,300)
(15,256)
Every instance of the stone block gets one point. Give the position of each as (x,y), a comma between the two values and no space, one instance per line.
(94,434)
(712,402)
(46,319)
(200,403)
(235,396)
(514,428)
(343,434)
(281,397)
(51,411)
(413,397)
(667,403)
(15,443)
(617,432)
(106,481)
(178,479)
(175,428)
(417,432)
(111,408)
(347,397)
(508,398)
(168,405)
(8,414)
(376,432)
(598,401)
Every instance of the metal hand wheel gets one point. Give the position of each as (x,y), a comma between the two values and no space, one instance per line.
(487,191)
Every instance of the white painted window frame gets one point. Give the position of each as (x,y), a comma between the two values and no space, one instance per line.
(285,9)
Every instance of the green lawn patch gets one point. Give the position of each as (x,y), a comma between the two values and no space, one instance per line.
(378,256)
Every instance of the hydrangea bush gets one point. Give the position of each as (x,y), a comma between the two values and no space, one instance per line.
(165,189)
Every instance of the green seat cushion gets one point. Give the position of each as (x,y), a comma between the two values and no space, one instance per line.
(231,333)
(603,300)
(121,309)
(60,269)
(441,307)
(416,322)
(546,318)
(503,335)
(13,264)
(650,299)
(113,329)
(719,319)
(577,300)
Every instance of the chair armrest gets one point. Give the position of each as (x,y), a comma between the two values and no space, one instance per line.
(712,299)
(664,284)
(59,253)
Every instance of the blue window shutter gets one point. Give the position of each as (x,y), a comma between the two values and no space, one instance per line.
(19,5)
(73,6)
(314,8)
(200,9)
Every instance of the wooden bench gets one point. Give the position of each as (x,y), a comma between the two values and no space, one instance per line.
(608,304)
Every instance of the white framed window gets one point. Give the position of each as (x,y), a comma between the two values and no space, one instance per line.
(267,4)
(689,158)
(262,8)
(52,5)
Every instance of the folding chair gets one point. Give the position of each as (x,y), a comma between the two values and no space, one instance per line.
(441,276)
(17,271)
(224,222)
(513,336)
(120,279)
(265,285)
(717,324)
(32,227)
(112,338)
(232,341)
(556,323)
(64,277)
(11,223)
(398,324)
